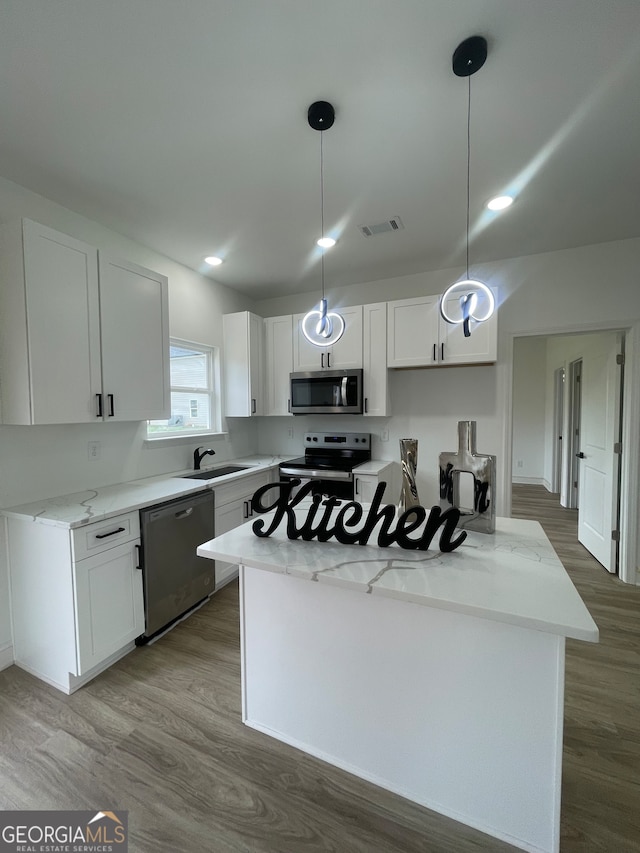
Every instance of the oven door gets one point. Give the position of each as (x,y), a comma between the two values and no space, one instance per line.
(337,484)
(326,392)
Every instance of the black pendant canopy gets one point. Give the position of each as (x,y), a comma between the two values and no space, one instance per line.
(321,115)
(469,56)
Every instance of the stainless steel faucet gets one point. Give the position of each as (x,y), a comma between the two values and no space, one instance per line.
(198,456)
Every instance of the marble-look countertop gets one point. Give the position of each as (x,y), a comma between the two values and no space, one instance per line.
(512,575)
(81,508)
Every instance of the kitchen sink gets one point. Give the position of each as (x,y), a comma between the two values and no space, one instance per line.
(215,472)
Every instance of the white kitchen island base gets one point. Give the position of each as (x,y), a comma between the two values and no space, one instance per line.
(460,714)
(439,676)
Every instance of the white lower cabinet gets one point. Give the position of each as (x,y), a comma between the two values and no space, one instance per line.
(374,473)
(233,508)
(76,597)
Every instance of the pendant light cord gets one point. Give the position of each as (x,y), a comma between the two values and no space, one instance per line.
(322,211)
(468,166)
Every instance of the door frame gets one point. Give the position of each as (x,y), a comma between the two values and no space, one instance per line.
(571,470)
(630,460)
(559,378)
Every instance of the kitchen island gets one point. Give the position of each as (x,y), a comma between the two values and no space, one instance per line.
(437,676)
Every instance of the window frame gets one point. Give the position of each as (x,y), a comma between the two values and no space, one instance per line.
(213,391)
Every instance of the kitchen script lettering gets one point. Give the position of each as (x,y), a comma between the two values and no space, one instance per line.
(316,523)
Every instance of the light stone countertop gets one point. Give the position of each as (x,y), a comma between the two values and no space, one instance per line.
(84,507)
(512,575)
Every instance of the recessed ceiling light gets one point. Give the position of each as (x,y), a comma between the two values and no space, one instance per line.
(500,202)
(326,242)
(213,261)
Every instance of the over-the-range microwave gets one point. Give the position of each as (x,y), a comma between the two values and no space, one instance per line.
(327,392)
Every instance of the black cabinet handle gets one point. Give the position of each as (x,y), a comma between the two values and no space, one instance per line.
(366,405)
(322,360)
(245,513)
(288,405)
(581,455)
(99,405)
(111,533)
(328,359)
(253,405)
(138,557)
(441,352)
(110,402)
(434,352)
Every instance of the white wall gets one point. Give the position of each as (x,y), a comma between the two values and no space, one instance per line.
(43,461)
(529,400)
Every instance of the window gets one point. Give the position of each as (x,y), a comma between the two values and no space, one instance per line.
(194,398)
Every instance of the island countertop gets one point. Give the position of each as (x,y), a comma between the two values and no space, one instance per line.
(512,575)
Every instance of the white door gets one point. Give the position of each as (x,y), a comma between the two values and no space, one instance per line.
(598,461)
(109,604)
(278,346)
(347,352)
(134,317)
(61,277)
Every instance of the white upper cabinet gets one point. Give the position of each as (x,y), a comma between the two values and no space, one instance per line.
(479,348)
(278,342)
(134,319)
(243,364)
(346,353)
(419,337)
(375,375)
(76,344)
(413,332)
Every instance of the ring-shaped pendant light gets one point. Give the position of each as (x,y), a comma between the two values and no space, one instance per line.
(468,57)
(322,327)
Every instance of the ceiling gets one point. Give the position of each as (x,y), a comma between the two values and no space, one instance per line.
(183,125)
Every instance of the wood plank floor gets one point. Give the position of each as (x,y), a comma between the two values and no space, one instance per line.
(160,734)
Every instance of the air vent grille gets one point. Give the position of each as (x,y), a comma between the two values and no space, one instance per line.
(393,224)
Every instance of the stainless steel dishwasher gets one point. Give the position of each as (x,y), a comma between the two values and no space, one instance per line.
(175,578)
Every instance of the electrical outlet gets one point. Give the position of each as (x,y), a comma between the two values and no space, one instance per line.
(94,450)
(291,432)
(384,435)
(520,463)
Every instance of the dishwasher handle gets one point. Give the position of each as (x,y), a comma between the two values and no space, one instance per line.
(184,513)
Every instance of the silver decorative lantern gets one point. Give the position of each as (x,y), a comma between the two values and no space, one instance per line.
(409,463)
(482,515)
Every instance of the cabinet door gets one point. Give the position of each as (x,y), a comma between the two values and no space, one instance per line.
(480,347)
(61,278)
(228,517)
(278,364)
(306,356)
(242,364)
(347,352)
(413,332)
(109,604)
(365,488)
(256,364)
(135,341)
(376,397)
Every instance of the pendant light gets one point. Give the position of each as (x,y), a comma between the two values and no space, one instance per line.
(322,327)
(475,299)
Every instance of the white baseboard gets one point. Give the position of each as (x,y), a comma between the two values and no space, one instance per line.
(530,481)
(6,657)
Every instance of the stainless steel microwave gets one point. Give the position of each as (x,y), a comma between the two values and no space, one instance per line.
(327,392)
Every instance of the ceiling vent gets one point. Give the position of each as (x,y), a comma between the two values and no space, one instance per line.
(393,224)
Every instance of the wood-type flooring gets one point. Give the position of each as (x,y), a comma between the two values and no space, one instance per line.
(159,734)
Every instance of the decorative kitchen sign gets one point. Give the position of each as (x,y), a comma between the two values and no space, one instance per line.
(351,525)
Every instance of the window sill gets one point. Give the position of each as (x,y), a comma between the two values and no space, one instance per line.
(170,440)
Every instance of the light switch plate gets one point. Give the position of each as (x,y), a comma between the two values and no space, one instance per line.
(94,450)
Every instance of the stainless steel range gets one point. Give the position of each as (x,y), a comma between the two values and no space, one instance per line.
(328,462)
